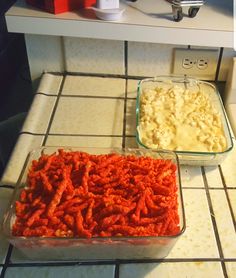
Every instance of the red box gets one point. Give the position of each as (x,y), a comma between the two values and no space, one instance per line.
(60,6)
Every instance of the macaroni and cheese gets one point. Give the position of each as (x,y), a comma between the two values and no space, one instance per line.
(182,120)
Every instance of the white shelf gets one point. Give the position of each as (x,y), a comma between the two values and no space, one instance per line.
(144,21)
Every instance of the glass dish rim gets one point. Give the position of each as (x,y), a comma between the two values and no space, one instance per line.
(190,78)
(9,212)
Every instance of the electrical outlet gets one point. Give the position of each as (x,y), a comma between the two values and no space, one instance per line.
(203,64)
(200,63)
(187,63)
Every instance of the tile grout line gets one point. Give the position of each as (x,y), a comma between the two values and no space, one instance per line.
(31,133)
(7,186)
(227,197)
(126,58)
(83,96)
(56,73)
(202,188)
(124,119)
(219,64)
(118,262)
(54,111)
(217,237)
(90,96)
(105,75)
(75,135)
(173,260)
(117,270)
(45,94)
(7,261)
(125,98)
(63,52)
(63,263)
(85,135)
(102,75)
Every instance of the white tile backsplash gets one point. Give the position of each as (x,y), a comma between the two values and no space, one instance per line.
(99,56)
(45,53)
(94,55)
(149,59)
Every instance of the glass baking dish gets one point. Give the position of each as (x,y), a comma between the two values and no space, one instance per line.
(187,157)
(95,248)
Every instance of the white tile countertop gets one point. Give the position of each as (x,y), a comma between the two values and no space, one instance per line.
(71,110)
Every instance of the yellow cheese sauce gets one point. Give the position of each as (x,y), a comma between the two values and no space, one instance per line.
(178,119)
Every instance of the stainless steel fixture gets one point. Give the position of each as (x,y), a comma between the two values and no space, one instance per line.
(178,5)
(177,8)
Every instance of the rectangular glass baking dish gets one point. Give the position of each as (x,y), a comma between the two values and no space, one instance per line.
(196,158)
(97,248)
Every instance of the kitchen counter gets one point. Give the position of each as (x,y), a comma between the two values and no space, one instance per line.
(143,21)
(100,112)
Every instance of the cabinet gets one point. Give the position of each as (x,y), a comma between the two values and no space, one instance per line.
(143,21)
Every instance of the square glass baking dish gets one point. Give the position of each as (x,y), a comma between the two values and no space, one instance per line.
(97,248)
(188,157)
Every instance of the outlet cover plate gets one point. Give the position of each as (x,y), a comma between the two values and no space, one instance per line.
(200,63)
